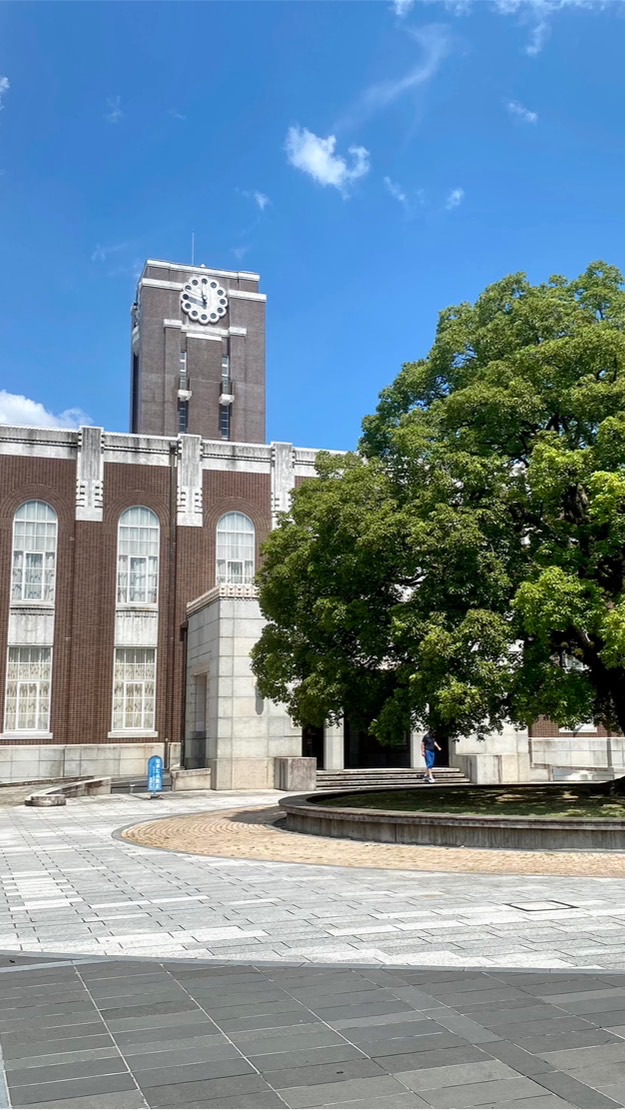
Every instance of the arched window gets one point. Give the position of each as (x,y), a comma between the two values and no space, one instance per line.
(34,553)
(235,549)
(137,557)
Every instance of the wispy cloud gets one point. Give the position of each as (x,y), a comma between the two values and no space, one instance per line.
(454,198)
(113,112)
(538,15)
(5,85)
(20,410)
(521,113)
(396,191)
(175,114)
(402,7)
(102,254)
(435,44)
(318,158)
(261,200)
(240,252)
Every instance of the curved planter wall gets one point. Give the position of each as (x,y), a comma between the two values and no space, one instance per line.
(449,831)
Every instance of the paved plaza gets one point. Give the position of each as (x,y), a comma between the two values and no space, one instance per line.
(183,1034)
(132,976)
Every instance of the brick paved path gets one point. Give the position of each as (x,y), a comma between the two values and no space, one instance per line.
(134,1034)
(256,834)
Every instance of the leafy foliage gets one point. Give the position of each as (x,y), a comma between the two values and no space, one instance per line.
(468,565)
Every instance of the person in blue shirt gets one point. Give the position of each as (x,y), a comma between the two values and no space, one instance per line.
(429,748)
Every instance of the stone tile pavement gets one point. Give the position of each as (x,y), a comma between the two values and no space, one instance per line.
(69,887)
(146,1033)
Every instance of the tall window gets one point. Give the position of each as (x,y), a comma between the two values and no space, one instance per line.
(235,549)
(27,705)
(137,557)
(34,552)
(134,684)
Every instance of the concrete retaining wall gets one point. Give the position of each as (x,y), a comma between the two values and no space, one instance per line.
(306,816)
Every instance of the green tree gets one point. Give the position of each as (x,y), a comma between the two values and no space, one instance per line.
(468,565)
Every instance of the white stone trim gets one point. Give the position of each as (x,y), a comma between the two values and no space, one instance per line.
(172,324)
(244,591)
(190,509)
(50,443)
(282,479)
(26,735)
(159,283)
(90,475)
(131,733)
(245,275)
(244,295)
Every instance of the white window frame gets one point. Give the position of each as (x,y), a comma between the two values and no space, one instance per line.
(120,727)
(138,565)
(40,727)
(28,550)
(230,555)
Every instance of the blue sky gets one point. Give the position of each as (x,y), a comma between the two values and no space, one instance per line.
(374,161)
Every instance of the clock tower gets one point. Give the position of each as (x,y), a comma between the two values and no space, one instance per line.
(198,353)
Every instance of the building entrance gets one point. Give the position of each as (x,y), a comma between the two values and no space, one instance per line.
(364,750)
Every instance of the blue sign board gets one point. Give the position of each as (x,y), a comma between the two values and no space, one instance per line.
(155,774)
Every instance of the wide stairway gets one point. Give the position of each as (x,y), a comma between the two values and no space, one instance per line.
(357,778)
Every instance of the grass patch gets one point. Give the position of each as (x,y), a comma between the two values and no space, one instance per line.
(572,801)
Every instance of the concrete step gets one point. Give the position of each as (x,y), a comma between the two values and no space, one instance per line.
(384,777)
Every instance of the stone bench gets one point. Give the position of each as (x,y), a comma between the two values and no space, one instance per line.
(58,795)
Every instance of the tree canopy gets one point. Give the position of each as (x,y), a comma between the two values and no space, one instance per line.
(467,565)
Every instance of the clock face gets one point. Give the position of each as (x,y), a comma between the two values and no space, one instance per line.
(204,300)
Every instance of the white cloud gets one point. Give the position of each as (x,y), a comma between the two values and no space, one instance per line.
(262,200)
(16,409)
(454,198)
(5,85)
(101,254)
(396,191)
(402,7)
(435,45)
(520,112)
(114,111)
(538,14)
(240,252)
(175,114)
(317,157)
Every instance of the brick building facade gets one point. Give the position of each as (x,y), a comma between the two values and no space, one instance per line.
(127,566)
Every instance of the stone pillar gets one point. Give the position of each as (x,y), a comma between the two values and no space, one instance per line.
(416,759)
(333,747)
(90,475)
(189,492)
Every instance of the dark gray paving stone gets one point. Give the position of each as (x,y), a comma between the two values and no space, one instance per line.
(425,1079)
(185,1094)
(177,1006)
(479,1094)
(574,1091)
(498,994)
(144,1062)
(66,1057)
(69,1032)
(408,1101)
(410,1061)
(543,1102)
(523,1029)
(581,1038)
(170,1033)
(615,1091)
(195,1044)
(314,1074)
(466,1027)
(302,1057)
(386,1030)
(494,1018)
(189,1073)
(261,1100)
(71,1088)
(518,1058)
(597,1075)
(120,1100)
(157,1021)
(267,1021)
(49,1020)
(398,1045)
(244,1010)
(38,1048)
(52,1073)
(323,1094)
(274,1040)
(603,1018)
(575,1058)
(362,1009)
